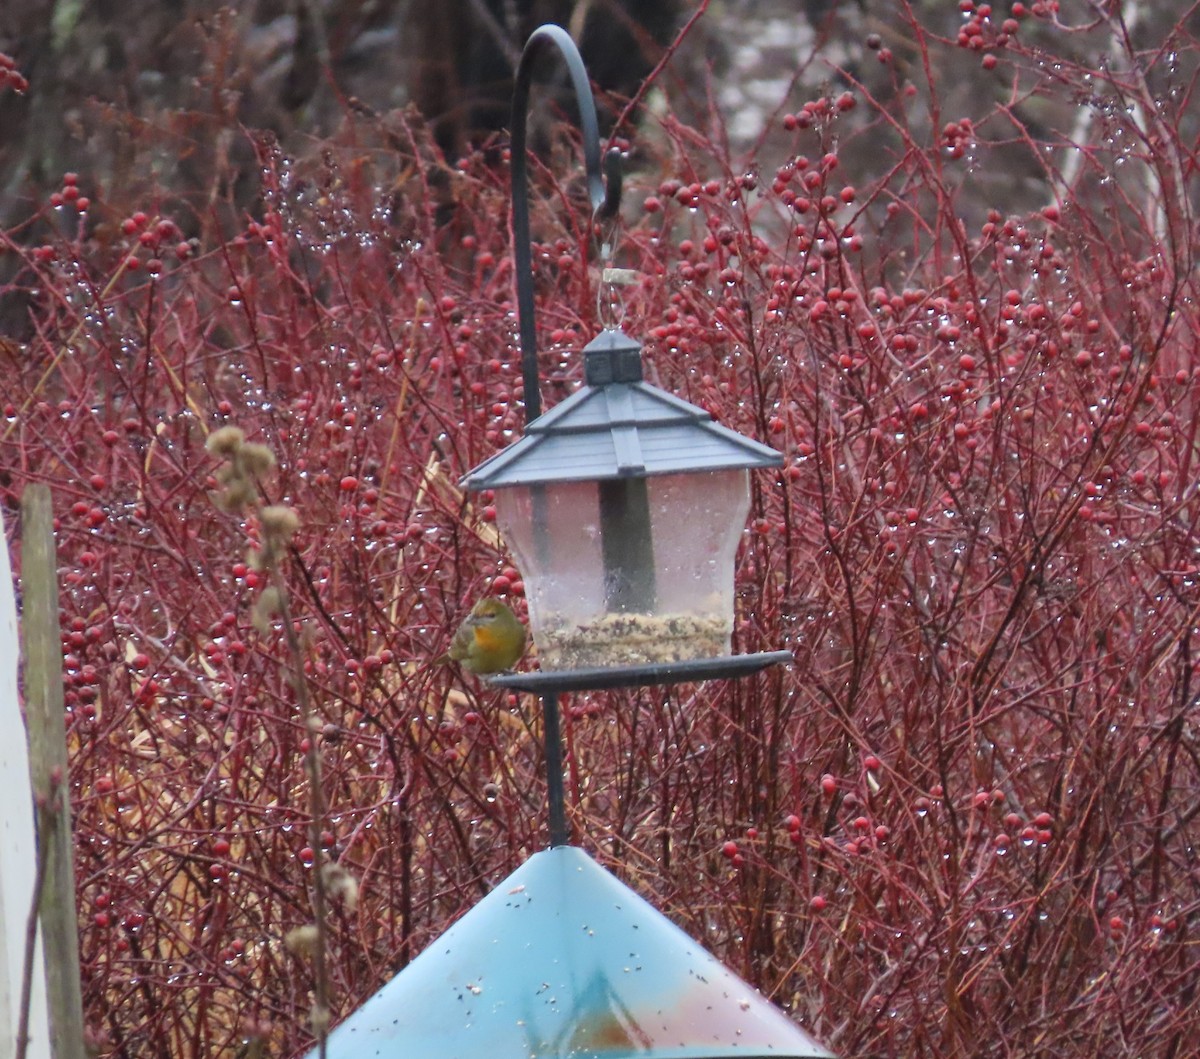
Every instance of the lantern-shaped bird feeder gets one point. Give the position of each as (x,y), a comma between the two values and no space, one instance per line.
(623,506)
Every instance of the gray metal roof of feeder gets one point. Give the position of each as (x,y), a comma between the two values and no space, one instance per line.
(618,426)
(563,961)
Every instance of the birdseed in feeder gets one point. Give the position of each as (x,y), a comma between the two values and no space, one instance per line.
(630,639)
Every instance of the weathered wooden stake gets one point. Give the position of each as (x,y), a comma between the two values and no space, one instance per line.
(44,712)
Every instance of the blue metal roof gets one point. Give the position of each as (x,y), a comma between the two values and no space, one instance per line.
(619,429)
(562,960)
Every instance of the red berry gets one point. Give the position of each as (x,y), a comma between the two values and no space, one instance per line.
(730,849)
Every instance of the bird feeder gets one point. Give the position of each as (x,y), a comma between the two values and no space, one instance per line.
(624,504)
(623,507)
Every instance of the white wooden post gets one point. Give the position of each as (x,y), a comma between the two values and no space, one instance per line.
(18,845)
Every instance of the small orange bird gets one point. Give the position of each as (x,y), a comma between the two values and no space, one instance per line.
(491,639)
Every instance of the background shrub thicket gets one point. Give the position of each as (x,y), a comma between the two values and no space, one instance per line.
(962,822)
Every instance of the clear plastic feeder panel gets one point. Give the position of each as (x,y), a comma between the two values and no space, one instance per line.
(631,571)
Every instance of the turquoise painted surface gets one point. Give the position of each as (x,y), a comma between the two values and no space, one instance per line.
(563,960)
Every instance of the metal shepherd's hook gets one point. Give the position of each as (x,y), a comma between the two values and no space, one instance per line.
(604,189)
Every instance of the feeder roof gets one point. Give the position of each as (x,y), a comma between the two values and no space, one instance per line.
(562,960)
(618,426)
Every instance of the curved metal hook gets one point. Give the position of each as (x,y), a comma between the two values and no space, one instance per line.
(604,191)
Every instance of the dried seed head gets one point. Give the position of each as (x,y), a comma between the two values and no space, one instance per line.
(236,495)
(256,458)
(341,885)
(279,523)
(301,940)
(319,1018)
(265,608)
(225,442)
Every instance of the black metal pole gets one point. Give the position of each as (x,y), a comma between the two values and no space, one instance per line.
(605,194)
(555,794)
